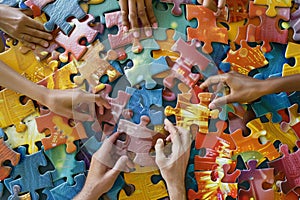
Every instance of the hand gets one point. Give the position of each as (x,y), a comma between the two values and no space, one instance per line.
(242,88)
(173,167)
(18,25)
(63,102)
(134,9)
(101,176)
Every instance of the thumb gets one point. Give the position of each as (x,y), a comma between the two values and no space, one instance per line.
(119,166)
(217,102)
(160,156)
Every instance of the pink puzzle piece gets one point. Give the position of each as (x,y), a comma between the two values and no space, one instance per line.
(71,43)
(63,131)
(111,116)
(142,140)
(189,57)
(207,30)
(269,29)
(176,10)
(121,39)
(94,67)
(37,5)
(289,164)
(256,177)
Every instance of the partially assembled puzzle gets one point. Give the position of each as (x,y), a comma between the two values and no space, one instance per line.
(240,151)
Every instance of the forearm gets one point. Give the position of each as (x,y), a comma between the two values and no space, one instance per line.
(282,84)
(176,191)
(12,80)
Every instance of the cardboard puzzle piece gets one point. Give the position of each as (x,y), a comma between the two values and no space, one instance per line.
(252,144)
(27,175)
(176,10)
(145,188)
(15,195)
(293,123)
(182,68)
(256,177)
(13,111)
(208,188)
(187,113)
(271,104)
(141,100)
(10,2)
(64,163)
(61,78)
(145,67)
(294,24)
(71,42)
(141,140)
(292,51)
(29,137)
(273,33)
(237,10)
(271,11)
(37,5)
(288,164)
(99,9)
(94,67)
(7,153)
(63,131)
(111,116)
(59,14)
(245,59)
(207,30)
(25,64)
(122,38)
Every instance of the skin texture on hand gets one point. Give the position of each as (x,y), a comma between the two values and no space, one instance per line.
(173,166)
(101,177)
(134,10)
(211,4)
(18,25)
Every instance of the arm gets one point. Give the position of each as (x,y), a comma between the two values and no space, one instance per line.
(173,167)
(245,89)
(101,176)
(18,25)
(58,101)
(132,10)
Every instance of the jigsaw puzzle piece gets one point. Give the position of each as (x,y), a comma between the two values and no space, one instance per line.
(245,59)
(59,14)
(207,30)
(37,5)
(141,140)
(63,131)
(98,9)
(94,67)
(28,137)
(293,122)
(64,163)
(292,51)
(145,188)
(256,177)
(294,24)
(237,10)
(7,153)
(271,11)
(10,2)
(13,111)
(27,175)
(176,10)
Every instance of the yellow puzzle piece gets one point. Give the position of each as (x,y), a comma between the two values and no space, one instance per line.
(272,4)
(292,50)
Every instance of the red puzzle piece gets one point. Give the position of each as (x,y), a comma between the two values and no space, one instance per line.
(37,5)
(207,30)
(7,154)
(62,131)
(237,10)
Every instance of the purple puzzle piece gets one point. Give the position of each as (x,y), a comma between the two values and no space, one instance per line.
(295,24)
(176,10)
(256,177)
(288,164)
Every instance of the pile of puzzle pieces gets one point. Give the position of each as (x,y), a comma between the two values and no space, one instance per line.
(239,151)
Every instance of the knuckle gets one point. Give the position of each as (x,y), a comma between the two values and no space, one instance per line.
(132,16)
(142,13)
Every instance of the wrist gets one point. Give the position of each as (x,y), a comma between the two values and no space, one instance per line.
(176,191)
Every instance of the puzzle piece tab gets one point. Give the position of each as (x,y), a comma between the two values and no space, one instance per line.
(271,11)
(37,5)
(176,10)
(292,51)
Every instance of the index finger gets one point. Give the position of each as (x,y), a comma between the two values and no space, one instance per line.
(212,81)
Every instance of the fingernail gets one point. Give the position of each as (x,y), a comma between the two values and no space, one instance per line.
(45,44)
(155,25)
(50,37)
(148,33)
(136,34)
(33,46)
(125,29)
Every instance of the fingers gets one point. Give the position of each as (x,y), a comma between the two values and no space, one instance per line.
(217,102)
(122,164)
(174,133)
(124,12)
(212,81)
(133,17)
(150,14)
(144,17)
(159,150)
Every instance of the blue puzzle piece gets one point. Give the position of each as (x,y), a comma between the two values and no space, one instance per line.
(156,117)
(26,174)
(293,98)
(141,100)
(219,53)
(113,193)
(59,12)
(271,104)
(10,2)
(190,181)
(65,164)
(1,190)
(1,133)
(92,145)
(66,190)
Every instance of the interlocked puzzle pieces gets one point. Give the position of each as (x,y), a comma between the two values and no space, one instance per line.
(271,11)
(13,111)
(292,51)
(62,131)
(176,10)
(7,154)
(141,140)
(59,14)
(207,30)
